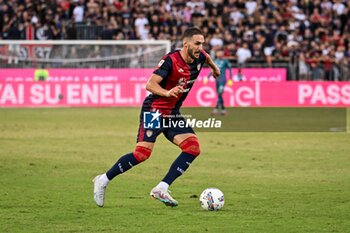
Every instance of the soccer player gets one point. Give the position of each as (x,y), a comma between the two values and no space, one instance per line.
(169,85)
(223,64)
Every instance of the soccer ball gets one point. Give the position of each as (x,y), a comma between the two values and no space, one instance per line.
(212,199)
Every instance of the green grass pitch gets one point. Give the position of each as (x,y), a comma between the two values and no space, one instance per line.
(273,182)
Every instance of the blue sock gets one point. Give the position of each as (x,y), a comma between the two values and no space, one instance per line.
(178,167)
(122,165)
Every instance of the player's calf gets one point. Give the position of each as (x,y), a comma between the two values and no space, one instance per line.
(190,150)
(129,160)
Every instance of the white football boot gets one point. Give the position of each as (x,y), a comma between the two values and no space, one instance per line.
(164,196)
(99,191)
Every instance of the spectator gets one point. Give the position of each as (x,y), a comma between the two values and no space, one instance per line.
(340,53)
(236,15)
(78,12)
(107,33)
(338,7)
(140,24)
(328,66)
(303,68)
(216,40)
(268,45)
(268,27)
(344,70)
(250,6)
(243,54)
(257,53)
(316,71)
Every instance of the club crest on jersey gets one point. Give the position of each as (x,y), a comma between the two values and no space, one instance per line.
(149,133)
(182,82)
(198,66)
(161,63)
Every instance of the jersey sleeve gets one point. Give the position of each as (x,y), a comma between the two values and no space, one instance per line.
(203,56)
(164,67)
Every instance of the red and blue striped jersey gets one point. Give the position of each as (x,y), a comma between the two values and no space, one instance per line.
(175,72)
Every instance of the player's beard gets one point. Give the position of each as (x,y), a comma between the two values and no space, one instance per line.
(191,53)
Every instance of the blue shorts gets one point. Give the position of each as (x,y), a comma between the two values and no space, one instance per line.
(170,129)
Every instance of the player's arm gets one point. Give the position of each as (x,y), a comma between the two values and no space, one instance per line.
(214,68)
(154,87)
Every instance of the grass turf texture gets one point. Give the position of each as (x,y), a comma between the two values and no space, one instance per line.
(273,182)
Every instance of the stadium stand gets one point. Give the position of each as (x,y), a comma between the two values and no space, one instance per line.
(311,38)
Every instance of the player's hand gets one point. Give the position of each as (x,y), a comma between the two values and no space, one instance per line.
(229,82)
(175,91)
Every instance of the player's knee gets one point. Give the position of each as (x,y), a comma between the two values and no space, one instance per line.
(142,153)
(191,145)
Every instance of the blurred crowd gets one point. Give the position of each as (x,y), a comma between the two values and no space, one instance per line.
(312,35)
